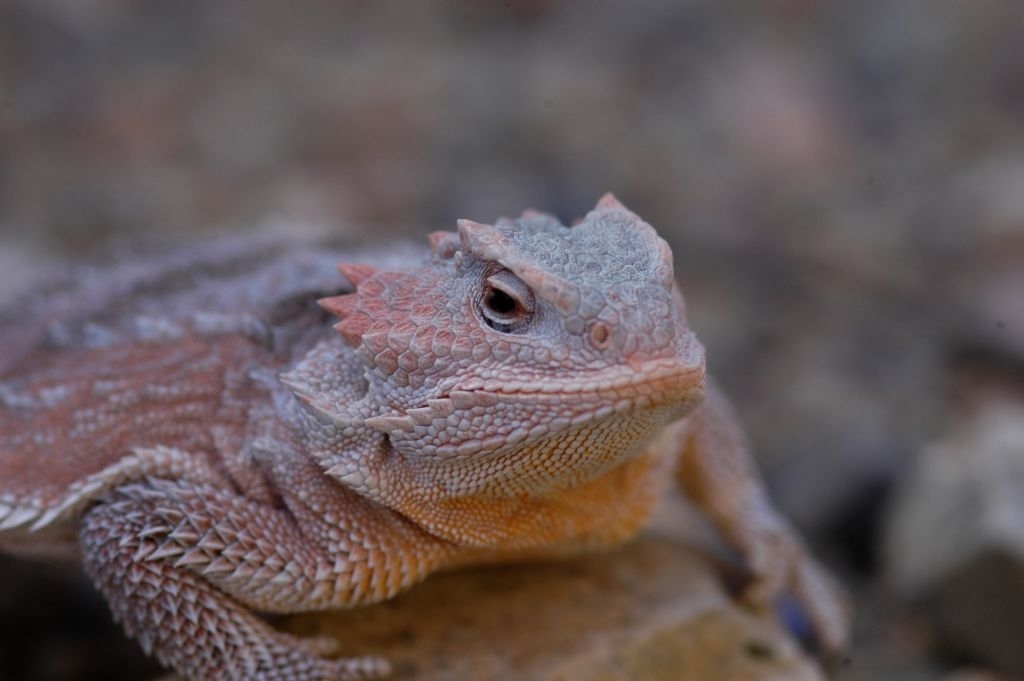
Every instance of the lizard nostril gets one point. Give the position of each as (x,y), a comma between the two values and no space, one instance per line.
(600,335)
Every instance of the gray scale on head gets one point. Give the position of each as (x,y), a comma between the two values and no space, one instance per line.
(610,276)
(606,248)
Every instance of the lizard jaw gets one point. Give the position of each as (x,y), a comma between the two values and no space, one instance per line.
(535,409)
(657,380)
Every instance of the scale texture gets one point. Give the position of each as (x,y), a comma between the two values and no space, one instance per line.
(241,430)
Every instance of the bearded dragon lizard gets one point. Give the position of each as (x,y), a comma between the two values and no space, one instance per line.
(194,430)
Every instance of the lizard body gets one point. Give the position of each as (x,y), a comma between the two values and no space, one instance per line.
(196,431)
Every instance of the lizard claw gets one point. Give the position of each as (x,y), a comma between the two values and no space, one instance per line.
(359,669)
(826,604)
(778,561)
(318,646)
(344,669)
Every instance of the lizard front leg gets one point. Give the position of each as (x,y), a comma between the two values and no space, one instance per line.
(717,472)
(180,566)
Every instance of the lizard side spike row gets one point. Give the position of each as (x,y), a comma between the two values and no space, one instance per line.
(478,402)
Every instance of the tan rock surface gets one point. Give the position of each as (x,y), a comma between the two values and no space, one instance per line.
(654,610)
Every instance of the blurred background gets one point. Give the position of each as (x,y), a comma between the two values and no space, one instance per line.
(842,184)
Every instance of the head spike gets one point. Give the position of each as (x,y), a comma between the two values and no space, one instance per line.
(339,306)
(471,234)
(609,202)
(353,328)
(443,244)
(356,273)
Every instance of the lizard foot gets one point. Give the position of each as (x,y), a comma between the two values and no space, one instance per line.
(358,669)
(182,619)
(354,668)
(344,669)
(320,646)
(778,561)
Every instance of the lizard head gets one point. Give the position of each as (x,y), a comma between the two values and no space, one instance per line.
(524,334)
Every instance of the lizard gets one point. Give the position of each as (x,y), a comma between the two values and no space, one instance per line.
(239,431)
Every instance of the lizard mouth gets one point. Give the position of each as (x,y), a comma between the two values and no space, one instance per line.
(654,383)
(491,414)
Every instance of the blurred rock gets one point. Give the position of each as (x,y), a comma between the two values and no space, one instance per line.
(976,675)
(956,538)
(989,304)
(987,286)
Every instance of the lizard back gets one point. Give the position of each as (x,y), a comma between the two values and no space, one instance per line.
(175,351)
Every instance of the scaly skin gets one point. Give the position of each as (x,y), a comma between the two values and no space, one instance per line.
(195,430)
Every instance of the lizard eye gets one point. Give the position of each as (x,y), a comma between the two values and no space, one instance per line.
(507,303)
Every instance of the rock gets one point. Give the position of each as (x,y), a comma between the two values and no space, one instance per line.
(651,610)
(956,537)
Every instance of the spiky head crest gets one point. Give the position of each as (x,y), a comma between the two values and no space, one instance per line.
(584,317)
